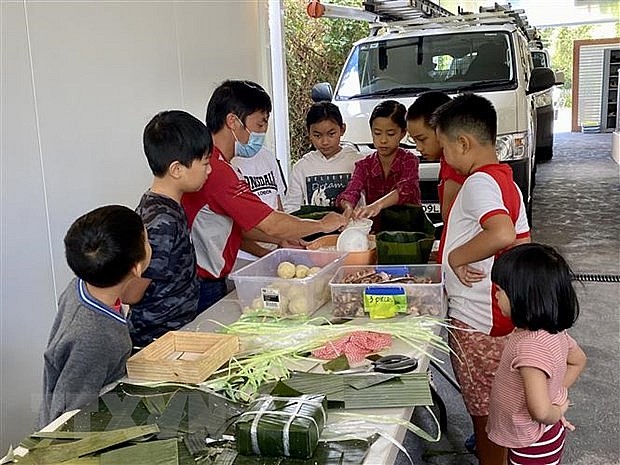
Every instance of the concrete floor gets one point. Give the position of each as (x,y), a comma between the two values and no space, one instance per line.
(577,210)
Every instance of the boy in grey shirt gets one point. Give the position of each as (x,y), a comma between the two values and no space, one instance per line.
(89,342)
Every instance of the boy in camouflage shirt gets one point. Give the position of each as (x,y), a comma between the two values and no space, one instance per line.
(177,147)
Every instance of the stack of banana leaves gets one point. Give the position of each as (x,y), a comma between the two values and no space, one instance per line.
(169,424)
(163,425)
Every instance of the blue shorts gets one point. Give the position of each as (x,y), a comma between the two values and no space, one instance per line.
(211,290)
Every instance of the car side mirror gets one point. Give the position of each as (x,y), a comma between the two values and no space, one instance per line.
(559,78)
(322,92)
(541,79)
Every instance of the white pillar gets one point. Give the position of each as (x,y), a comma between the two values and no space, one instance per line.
(280,91)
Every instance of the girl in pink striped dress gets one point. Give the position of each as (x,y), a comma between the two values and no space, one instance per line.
(540,360)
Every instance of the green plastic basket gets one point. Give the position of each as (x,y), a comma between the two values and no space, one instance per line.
(406,218)
(403,247)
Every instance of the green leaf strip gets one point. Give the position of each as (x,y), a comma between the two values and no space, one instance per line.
(93,443)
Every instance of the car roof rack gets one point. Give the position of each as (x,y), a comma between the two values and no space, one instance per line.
(409,15)
(402,10)
(379,12)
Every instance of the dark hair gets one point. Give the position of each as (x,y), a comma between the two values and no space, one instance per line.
(467,113)
(175,136)
(322,111)
(538,283)
(241,98)
(103,245)
(390,109)
(425,105)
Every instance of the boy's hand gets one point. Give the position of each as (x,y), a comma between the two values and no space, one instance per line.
(332,221)
(468,275)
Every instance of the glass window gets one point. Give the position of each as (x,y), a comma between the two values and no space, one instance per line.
(432,62)
(539,59)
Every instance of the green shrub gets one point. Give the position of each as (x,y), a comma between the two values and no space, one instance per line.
(316,50)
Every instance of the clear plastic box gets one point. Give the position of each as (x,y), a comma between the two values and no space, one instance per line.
(423,298)
(259,287)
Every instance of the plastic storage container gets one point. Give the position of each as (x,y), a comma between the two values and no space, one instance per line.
(400,289)
(259,287)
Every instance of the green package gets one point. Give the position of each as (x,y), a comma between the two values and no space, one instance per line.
(403,248)
(282,426)
(410,218)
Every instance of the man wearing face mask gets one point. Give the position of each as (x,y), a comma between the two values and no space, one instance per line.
(225,209)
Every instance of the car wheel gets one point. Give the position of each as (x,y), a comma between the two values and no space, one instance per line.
(544,153)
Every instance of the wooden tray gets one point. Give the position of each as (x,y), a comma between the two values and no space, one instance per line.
(182,356)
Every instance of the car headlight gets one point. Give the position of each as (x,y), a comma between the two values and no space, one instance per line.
(512,146)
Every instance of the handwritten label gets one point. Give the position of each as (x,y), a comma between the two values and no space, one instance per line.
(384,302)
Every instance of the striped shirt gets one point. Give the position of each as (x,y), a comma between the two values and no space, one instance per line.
(510,424)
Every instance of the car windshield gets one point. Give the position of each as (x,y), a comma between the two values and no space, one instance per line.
(433,62)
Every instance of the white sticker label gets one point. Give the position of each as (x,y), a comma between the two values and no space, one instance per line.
(431,208)
(271,298)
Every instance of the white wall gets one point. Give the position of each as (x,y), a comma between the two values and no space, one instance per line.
(79,82)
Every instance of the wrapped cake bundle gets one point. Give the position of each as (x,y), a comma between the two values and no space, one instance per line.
(282,426)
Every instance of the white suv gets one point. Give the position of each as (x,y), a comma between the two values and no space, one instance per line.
(546,103)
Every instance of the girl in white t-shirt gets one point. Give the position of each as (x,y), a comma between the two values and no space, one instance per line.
(540,361)
(320,175)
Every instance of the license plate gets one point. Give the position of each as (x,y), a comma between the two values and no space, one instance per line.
(431,208)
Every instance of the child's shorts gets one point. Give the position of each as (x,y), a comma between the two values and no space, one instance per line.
(546,451)
(478,358)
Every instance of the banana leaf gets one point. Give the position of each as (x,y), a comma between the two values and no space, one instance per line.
(406,217)
(312,212)
(406,390)
(361,391)
(403,248)
(349,452)
(94,460)
(148,453)
(202,412)
(330,385)
(176,409)
(93,443)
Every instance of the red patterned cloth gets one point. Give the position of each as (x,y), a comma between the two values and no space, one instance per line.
(368,177)
(355,346)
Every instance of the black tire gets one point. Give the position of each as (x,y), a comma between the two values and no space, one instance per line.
(544,153)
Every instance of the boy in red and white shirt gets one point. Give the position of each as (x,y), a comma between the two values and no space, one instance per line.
(487,217)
